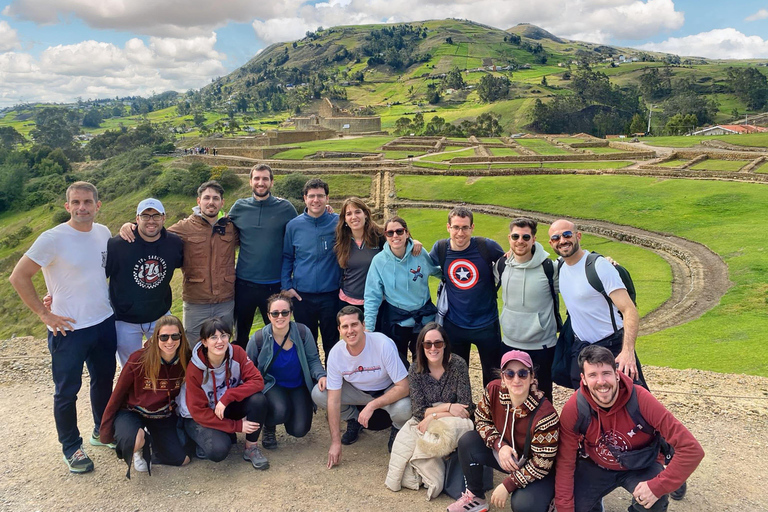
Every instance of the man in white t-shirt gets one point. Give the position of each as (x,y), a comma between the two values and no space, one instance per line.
(592,317)
(81,324)
(364,370)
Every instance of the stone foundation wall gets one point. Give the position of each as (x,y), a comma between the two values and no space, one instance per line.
(638,155)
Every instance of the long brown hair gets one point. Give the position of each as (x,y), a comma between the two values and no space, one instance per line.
(422,366)
(151,359)
(372,232)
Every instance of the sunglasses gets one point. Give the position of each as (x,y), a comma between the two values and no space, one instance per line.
(566,234)
(436,344)
(522,373)
(393,232)
(275,314)
(165,337)
(517,236)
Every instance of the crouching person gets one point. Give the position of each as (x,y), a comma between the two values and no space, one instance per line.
(222,396)
(365,370)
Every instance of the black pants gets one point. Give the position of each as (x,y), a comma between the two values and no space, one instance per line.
(542,366)
(163,438)
(291,407)
(319,310)
(405,340)
(614,343)
(248,297)
(488,342)
(216,443)
(474,455)
(593,482)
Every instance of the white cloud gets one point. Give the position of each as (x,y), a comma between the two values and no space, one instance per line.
(726,43)
(759,15)
(9,40)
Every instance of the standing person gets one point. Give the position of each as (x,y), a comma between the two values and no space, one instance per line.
(222,396)
(261,221)
(473,314)
(608,446)
(400,280)
(516,433)
(286,355)
(210,240)
(81,324)
(609,321)
(140,277)
(364,370)
(530,314)
(141,411)
(311,273)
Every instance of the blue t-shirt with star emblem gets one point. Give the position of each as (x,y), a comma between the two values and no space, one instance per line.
(470,284)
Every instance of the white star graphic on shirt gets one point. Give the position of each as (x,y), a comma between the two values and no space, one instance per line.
(463,273)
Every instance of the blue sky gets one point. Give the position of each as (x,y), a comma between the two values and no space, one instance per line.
(58,50)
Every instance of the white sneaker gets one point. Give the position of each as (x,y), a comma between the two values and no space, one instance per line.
(139,464)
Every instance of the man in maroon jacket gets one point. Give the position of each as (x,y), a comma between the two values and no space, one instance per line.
(612,434)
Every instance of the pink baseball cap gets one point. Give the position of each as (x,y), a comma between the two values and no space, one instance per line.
(516,355)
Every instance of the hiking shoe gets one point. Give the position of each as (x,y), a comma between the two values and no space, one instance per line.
(353,432)
(269,441)
(139,464)
(95,441)
(392,436)
(253,454)
(679,493)
(79,462)
(200,453)
(468,503)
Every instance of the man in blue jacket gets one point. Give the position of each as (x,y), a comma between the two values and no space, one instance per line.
(311,273)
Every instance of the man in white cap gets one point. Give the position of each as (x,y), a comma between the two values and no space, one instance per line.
(140,277)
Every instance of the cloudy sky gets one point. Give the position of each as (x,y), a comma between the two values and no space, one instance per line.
(58,50)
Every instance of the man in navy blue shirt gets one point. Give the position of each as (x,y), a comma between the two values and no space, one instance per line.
(473,315)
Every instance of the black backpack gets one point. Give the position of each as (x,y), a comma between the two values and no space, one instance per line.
(549,271)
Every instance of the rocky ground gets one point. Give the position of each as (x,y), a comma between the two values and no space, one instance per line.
(727,413)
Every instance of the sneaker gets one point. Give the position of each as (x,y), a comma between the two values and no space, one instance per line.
(353,432)
(139,464)
(392,435)
(269,441)
(679,493)
(79,462)
(257,458)
(95,441)
(200,453)
(468,503)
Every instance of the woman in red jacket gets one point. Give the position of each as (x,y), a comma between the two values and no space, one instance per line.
(142,405)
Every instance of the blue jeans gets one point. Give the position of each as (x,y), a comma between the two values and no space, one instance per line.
(95,346)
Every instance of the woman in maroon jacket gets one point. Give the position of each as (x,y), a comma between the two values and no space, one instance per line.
(144,398)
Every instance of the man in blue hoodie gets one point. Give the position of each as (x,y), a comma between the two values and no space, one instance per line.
(311,273)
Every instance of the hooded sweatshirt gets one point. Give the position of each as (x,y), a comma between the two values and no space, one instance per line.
(309,263)
(527,316)
(617,425)
(234,380)
(402,282)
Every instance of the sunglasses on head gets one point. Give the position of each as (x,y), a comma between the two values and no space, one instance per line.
(436,344)
(565,234)
(522,373)
(275,314)
(393,232)
(517,236)
(175,336)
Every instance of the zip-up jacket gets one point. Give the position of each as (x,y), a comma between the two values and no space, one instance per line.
(309,263)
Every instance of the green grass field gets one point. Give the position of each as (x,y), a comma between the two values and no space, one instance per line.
(542,147)
(673,163)
(762,169)
(503,152)
(362,144)
(443,157)
(750,139)
(720,165)
(616,164)
(604,151)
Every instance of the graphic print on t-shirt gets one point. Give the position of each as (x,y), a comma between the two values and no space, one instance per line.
(615,440)
(361,369)
(149,272)
(463,274)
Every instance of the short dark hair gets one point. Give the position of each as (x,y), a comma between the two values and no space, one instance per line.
(314,183)
(595,354)
(84,185)
(349,310)
(422,366)
(461,211)
(212,325)
(215,185)
(522,222)
(261,167)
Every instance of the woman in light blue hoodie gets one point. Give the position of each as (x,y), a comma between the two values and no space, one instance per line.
(398,282)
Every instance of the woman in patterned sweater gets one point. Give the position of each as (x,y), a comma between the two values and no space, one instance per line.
(512,414)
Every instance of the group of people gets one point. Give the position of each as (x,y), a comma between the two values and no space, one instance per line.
(193,384)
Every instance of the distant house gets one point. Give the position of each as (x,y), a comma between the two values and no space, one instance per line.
(730,129)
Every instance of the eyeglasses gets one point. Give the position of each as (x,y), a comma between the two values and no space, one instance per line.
(565,234)
(436,344)
(463,229)
(155,216)
(165,337)
(316,196)
(393,232)
(522,373)
(217,337)
(275,314)
(517,236)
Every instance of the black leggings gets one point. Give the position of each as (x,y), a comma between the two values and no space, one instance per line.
(474,455)
(162,437)
(292,407)
(216,443)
